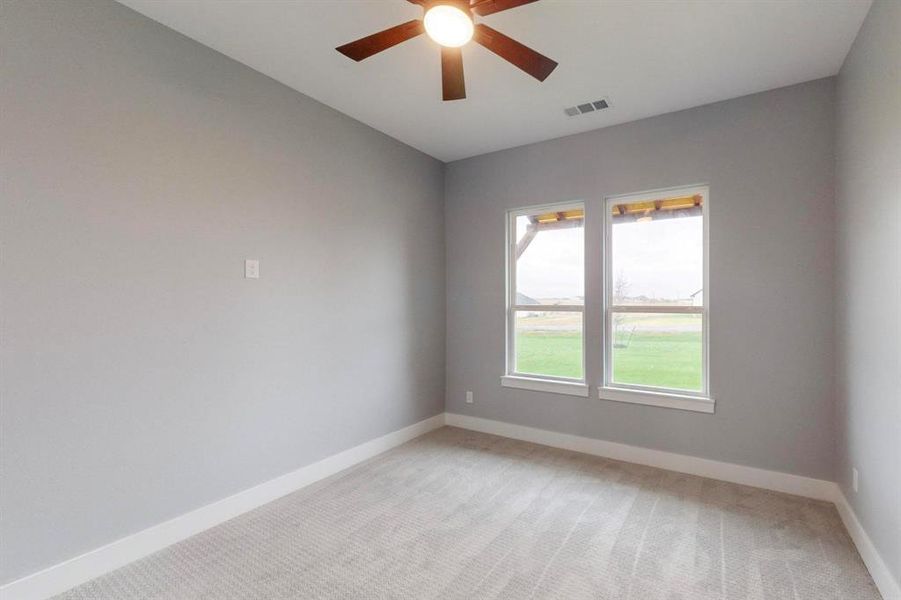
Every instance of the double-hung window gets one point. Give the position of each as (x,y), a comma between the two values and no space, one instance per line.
(546,299)
(655,299)
(648,279)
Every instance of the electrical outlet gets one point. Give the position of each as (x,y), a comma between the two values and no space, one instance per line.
(854,479)
(468,397)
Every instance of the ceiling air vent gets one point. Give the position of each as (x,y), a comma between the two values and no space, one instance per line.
(581,109)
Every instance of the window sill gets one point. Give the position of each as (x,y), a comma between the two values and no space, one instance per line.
(545,385)
(665,400)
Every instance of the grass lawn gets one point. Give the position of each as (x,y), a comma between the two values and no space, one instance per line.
(549,353)
(657,358)
(661,359)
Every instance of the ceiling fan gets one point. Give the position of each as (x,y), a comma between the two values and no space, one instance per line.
(450,24)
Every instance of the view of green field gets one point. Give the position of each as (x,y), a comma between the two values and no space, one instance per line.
(649,349)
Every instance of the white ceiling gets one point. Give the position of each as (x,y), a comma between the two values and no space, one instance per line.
(648,57)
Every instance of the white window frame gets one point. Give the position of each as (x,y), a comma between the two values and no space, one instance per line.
(650,395)
(531,381)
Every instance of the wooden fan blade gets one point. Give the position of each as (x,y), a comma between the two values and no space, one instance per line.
(533,63)
(375,43)
(452,83)
(488,7)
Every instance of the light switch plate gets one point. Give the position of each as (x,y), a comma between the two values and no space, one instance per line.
(251,269)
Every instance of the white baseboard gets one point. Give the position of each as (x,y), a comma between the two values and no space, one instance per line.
(885,581)
(771,480)
(68,574)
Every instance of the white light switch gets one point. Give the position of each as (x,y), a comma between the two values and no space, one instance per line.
(251,269)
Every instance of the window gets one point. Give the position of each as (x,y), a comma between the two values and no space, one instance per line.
(648,303)
(546,299)
(655,299)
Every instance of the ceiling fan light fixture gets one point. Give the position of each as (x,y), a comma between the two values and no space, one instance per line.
(448,25)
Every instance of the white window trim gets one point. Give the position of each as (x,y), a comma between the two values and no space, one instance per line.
(532,381)
(665,399)
(544,384)
(651,396)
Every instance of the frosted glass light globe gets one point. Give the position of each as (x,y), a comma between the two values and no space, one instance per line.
(448,25)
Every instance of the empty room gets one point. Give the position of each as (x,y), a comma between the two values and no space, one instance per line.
(450,299)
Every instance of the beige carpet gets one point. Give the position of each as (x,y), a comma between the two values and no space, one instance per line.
(462,515)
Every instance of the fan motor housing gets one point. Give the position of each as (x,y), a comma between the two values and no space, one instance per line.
(461,4)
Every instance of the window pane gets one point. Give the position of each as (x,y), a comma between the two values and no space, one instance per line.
(658,257)
(549,343)
(657,349)
(550,258)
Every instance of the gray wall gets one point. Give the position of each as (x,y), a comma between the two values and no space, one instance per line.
(769,161)
(142,375)
(868,193)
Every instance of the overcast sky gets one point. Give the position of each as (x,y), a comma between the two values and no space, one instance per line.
(553,264)
(659,259)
